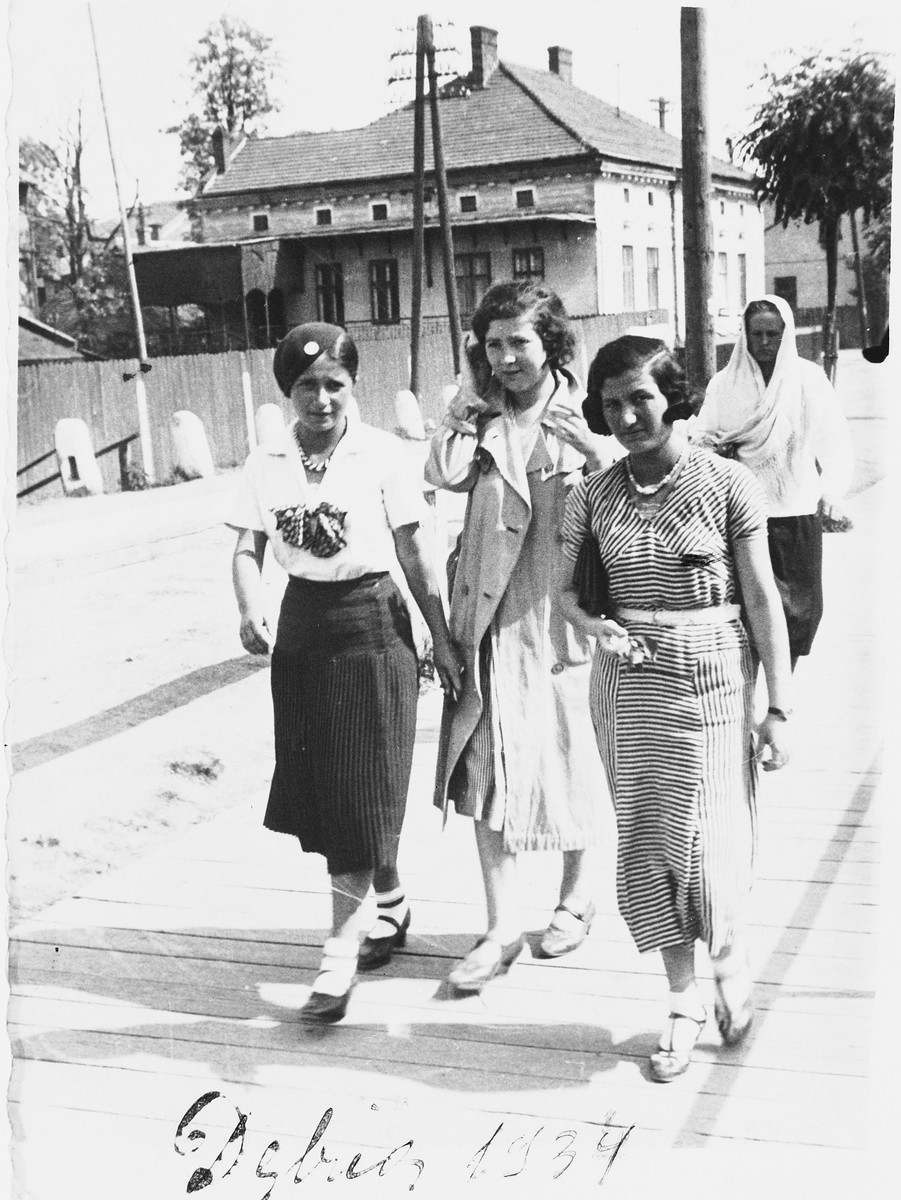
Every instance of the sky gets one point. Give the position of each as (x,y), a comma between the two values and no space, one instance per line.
(335,61)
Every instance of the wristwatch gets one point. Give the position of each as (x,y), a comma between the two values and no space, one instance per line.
(781,714)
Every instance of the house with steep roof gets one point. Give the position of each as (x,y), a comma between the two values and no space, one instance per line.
(545,181)
(160,221)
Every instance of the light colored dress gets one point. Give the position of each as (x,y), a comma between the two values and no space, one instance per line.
(517,748)
(675,733)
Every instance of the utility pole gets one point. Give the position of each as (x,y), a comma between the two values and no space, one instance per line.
(418,209)
(143,364)
(661,104)
(447,237)
(862,313)
(425,61)
(700,353)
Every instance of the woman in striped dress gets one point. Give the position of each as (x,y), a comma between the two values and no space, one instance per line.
(671,690)
(341,506)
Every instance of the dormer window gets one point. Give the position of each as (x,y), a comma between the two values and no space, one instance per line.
(380,212)
(468,203)
(260,222)
(323,216)
(525,198)
(155,232)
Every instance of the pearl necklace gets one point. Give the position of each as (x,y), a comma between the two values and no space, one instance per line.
(651,489)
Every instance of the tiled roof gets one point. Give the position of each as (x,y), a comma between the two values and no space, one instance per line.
(522,115)
(610,132)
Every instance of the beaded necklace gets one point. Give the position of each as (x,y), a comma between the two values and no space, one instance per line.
(650,498)
(319,466)
(651,489)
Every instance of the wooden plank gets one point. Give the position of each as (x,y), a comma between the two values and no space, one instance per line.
(782,1040)
(241,1053)
(46,963)
(815,943)
(299,912)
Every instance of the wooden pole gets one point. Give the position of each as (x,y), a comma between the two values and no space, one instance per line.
(447,239)
(700,354)
(143,364)
(862,312)
(418,206)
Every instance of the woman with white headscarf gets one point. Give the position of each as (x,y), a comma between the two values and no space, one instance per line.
(779,415)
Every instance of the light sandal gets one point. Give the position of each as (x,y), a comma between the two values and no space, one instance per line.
(673,1056)
(562,937)
(481,966)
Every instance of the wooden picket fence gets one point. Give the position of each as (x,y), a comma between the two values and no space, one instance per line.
(211,386)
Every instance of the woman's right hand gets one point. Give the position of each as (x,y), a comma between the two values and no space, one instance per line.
(610,637)
(449,666)
(475,375)
(255,635)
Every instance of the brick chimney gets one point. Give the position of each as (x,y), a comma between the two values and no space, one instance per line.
(560,62)
(484,54)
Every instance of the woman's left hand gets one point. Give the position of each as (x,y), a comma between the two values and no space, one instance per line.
(773,743)
(449,665)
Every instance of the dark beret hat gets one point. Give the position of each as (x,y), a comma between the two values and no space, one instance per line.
(302,346)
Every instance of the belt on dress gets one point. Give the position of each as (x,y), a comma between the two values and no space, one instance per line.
(718,614)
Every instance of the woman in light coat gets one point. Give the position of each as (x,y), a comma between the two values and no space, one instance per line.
(517,751)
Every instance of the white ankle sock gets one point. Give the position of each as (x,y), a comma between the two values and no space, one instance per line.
(338,966)
(390,904)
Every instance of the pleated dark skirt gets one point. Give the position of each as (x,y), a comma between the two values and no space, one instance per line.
(344,692)
(796,552)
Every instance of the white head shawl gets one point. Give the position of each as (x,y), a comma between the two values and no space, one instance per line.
(761,420)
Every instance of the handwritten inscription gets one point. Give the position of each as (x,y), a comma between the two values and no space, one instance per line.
(542,1153)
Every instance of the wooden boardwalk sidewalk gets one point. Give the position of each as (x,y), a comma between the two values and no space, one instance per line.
(134,1003)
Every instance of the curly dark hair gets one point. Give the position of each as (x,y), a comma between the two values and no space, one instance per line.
(630,353)
(507,301)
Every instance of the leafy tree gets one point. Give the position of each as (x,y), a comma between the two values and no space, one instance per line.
(61,229)
(231,75)
(822,145)
(85,280)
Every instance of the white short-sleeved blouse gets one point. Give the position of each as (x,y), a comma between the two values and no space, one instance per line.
(370,478)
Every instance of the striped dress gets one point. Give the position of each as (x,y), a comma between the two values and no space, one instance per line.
(675,733)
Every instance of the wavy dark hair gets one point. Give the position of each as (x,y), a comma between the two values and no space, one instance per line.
(630,353)
(507,301)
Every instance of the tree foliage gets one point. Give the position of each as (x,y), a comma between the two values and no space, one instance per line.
(232,73)
(822,146)
(822,141)
(61,229)
(85,283)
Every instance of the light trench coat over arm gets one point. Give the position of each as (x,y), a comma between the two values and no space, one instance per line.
(505,581)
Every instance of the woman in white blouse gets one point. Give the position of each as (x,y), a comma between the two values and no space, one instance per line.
(341,506)
(778,414)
